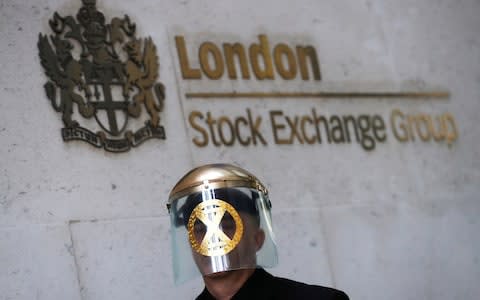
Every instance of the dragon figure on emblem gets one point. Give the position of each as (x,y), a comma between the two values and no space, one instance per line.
(86,60)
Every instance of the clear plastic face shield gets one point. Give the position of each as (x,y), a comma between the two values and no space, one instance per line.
(221,229)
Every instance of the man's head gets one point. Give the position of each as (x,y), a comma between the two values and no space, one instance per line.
(222,214)
(212,223)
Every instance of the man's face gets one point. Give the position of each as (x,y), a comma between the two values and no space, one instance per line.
(243,255)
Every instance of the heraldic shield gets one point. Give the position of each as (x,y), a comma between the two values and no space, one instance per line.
(102,74)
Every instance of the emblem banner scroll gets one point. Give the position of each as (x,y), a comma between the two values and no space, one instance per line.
(113,145)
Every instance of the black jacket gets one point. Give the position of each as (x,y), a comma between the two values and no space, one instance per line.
(264,286)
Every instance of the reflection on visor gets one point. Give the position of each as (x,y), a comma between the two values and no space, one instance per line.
(214,228)
(239,200)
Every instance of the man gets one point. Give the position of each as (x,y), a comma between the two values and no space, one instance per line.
(221,227)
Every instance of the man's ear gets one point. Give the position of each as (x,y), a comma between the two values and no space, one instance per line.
(259,239)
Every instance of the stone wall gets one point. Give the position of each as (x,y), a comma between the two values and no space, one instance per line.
(398,221)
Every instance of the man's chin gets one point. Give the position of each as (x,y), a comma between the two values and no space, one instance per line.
(218,275)
(228,274)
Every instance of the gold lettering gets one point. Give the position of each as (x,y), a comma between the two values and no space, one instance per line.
(321,119)
(340,137)
(350,119)
(293,129)
(410,122)
(403,136)
(378,126)
(224,120)
(262,50)
(426,121)
(255,128)
(237,131)
(191,119)
(453,135)
(304,120)
(211,125)
(187,72)
(276,127)
(442,128)
(288,61)
(286,72)
(303,53)
(238,51)
(217,71)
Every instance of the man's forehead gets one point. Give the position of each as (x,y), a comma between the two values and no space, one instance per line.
(239,200)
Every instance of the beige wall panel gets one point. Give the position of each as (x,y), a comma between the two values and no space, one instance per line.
(38,263)
(377,223)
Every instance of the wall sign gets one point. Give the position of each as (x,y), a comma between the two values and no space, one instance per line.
(82,59)
(263,61)
(103,80)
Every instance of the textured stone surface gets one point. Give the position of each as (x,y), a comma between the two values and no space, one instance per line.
(408,251)
(302,249)
(37,262)
(127,259)
(398,221)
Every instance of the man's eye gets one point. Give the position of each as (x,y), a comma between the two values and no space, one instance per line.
(228,226)
(199,228)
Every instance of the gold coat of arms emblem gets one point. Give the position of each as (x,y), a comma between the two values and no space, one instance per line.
(102,79)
